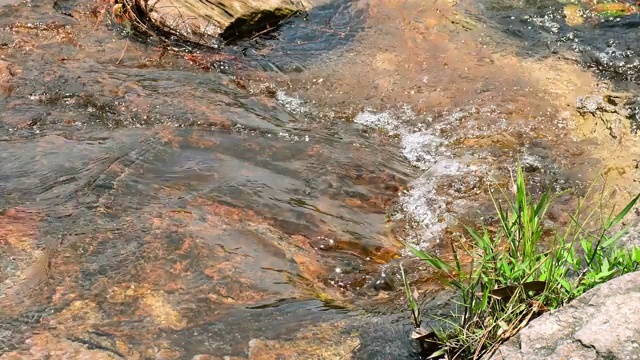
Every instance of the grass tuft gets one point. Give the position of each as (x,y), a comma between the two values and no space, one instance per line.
(520,271)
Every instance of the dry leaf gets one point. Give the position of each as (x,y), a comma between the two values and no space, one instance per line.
(421,334)
(507,291)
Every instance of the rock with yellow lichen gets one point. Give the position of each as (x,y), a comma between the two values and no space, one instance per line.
(154,304)
(573,15)
(577,13)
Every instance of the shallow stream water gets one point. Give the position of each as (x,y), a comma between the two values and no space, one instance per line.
(165,202)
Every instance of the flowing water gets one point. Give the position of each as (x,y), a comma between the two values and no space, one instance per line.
(167,202)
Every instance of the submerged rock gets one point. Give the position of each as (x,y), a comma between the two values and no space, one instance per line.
(604,323)
(205,21)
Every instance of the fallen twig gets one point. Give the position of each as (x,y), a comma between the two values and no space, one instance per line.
(123,50)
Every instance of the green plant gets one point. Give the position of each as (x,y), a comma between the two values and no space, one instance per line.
(514,274)
(613,14)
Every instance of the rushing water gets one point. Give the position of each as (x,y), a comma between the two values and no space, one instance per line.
(164,203)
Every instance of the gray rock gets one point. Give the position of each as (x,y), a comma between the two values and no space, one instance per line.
(604,323)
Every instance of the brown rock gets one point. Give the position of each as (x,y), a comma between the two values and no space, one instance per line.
(167,354)
(46,346)
(323,342)
(204,357)
(604,323)
(203,21)
(155,304)
(7,72)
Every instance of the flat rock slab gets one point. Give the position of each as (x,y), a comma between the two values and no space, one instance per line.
(205,21)
(604,323)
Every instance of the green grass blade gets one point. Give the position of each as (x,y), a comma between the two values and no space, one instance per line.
(413,305)
(614,239)
(432,260)
(624,211)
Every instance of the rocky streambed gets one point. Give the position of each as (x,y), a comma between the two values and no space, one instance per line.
(172,192)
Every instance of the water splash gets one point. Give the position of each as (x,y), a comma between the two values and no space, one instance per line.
(426,149)
(293,104)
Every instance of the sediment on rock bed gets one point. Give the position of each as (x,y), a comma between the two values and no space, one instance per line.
(206,23)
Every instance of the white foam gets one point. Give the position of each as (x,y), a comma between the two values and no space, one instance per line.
(294,105)
(422,149)
(424,205)
(380,121)
(426,150)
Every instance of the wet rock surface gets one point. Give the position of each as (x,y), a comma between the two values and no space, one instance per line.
(142,224)
(601,324)
(601,36)
(162,202)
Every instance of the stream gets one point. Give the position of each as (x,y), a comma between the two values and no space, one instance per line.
(173,202)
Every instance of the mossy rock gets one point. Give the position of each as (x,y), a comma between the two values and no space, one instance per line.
(614,9)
